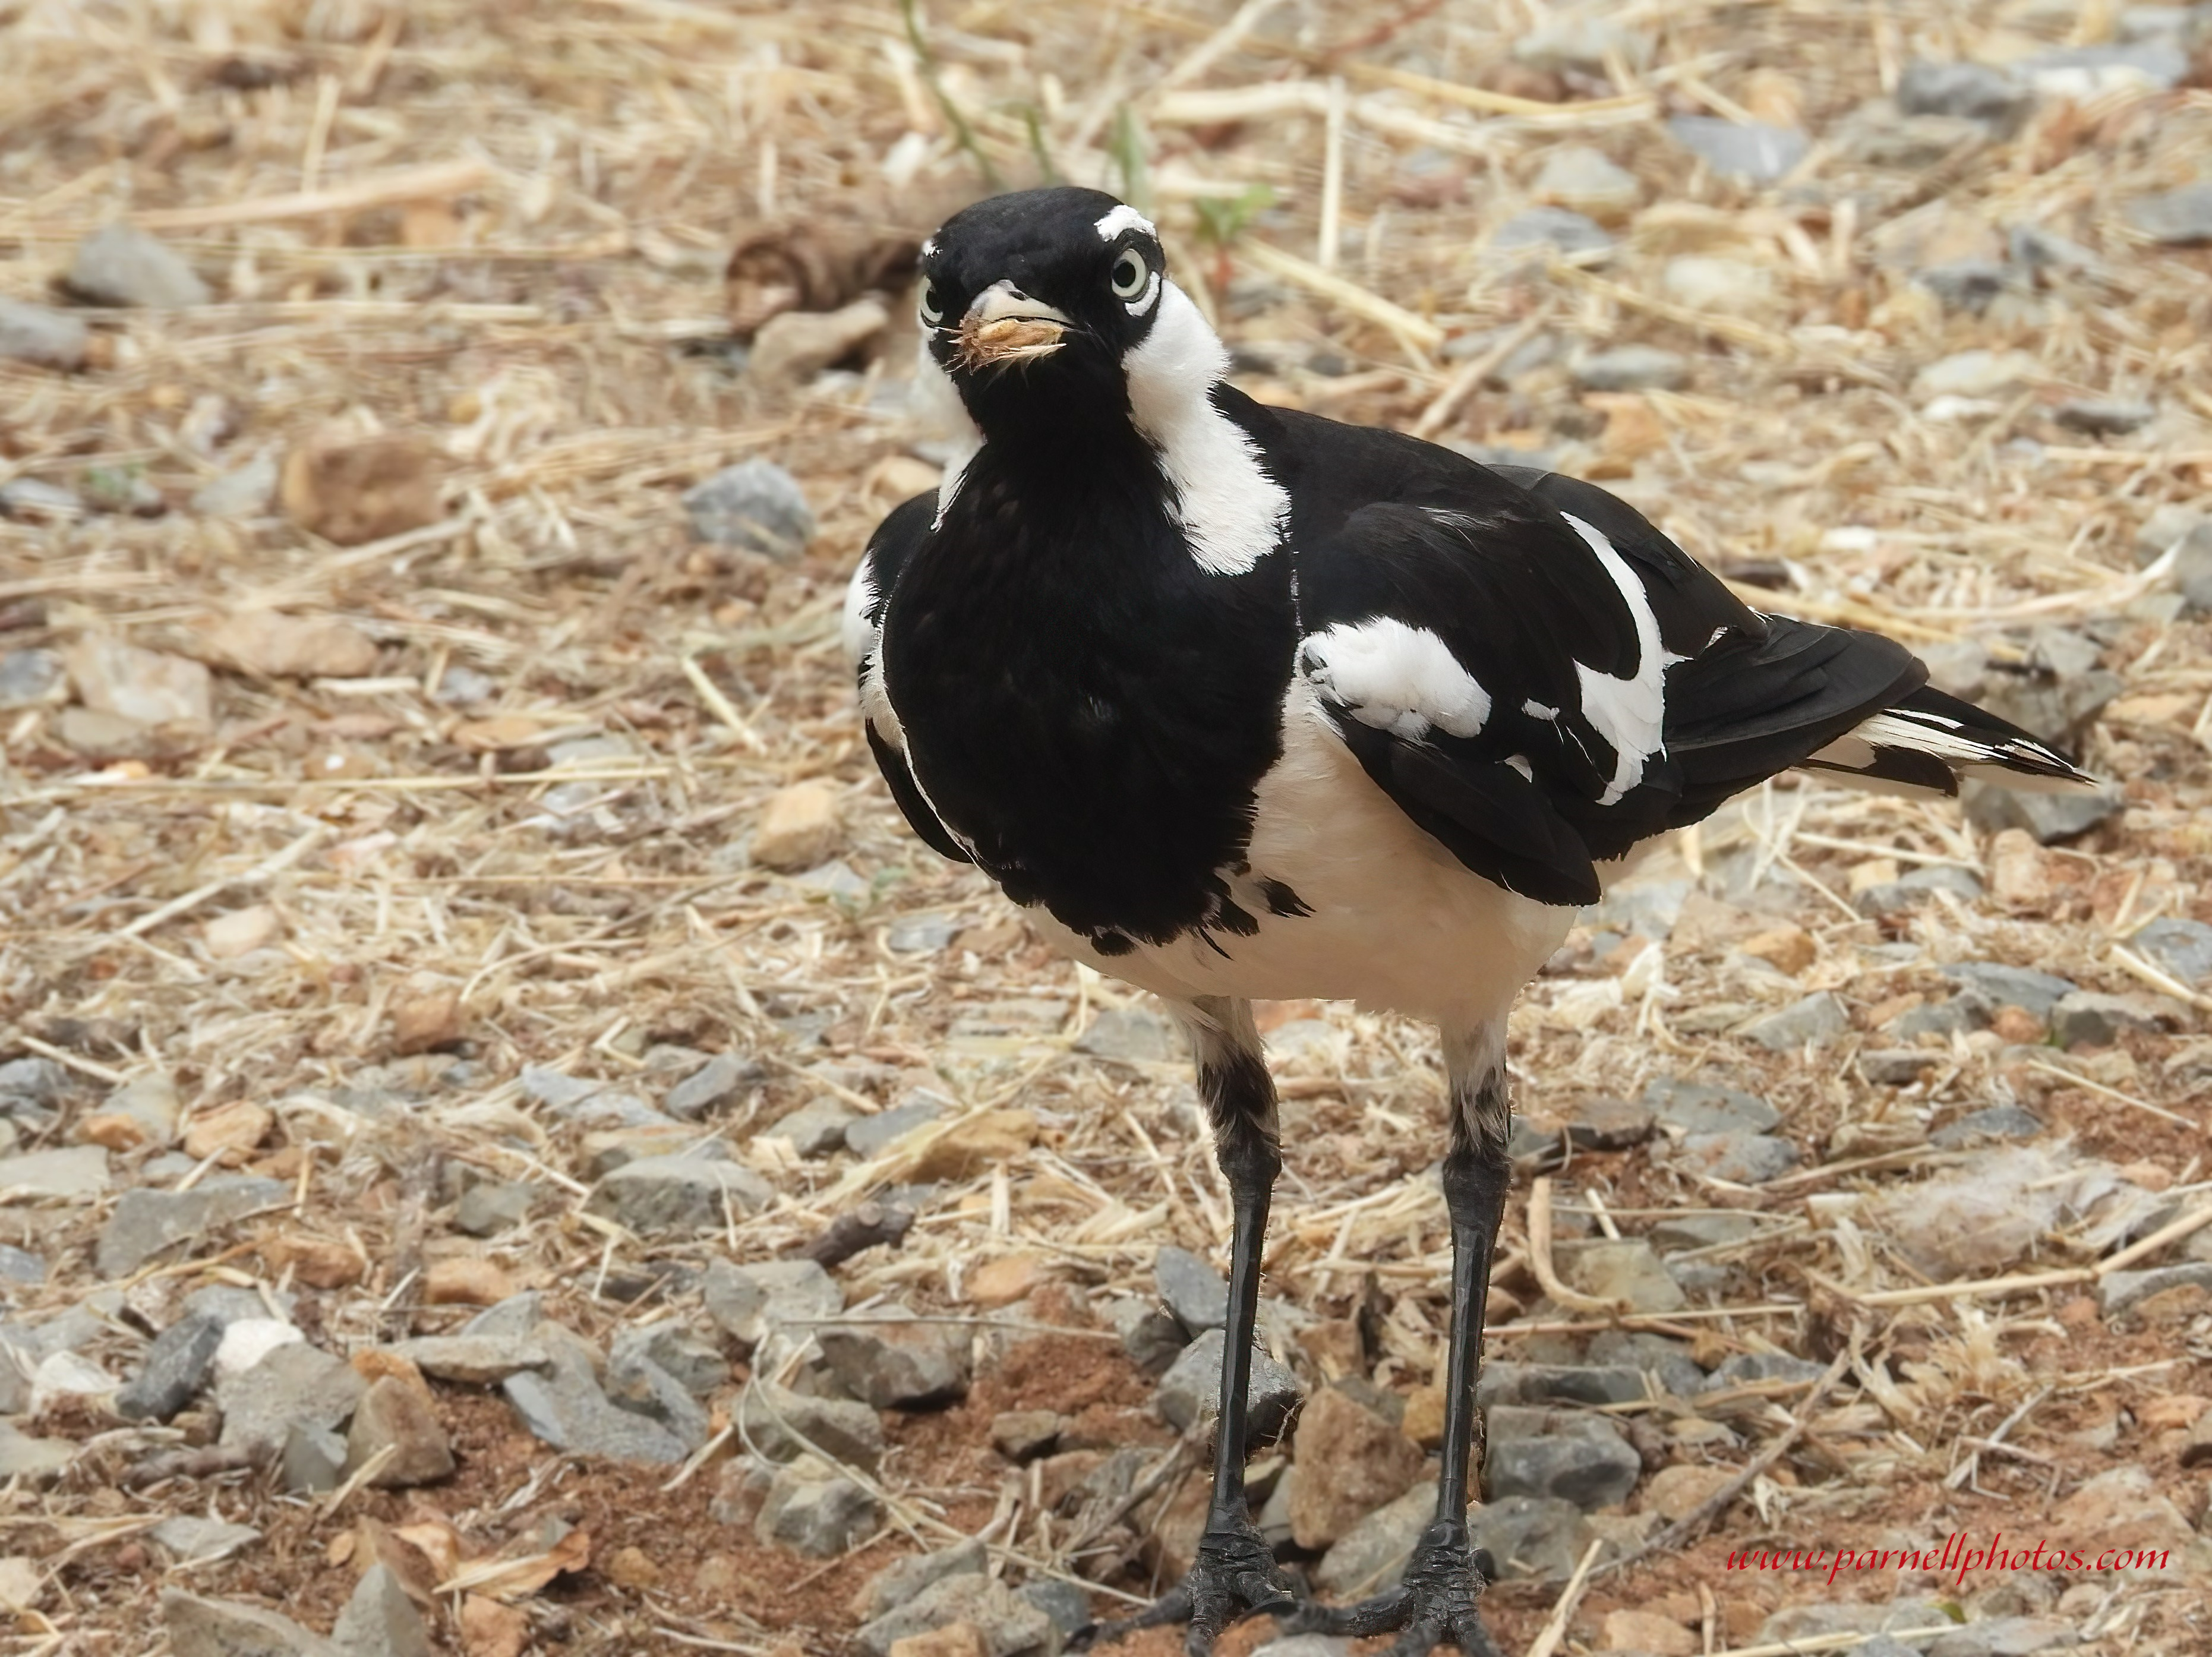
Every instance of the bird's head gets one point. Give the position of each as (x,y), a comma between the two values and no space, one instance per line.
(1049,308)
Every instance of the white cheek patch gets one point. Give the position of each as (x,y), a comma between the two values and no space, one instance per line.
(1629,713)
(1231,512)
(1123,217)
(1396,678)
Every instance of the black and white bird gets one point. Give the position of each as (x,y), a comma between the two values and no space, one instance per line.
(1238,702)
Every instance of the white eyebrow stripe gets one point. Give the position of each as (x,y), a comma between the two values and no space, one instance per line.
(1122,217)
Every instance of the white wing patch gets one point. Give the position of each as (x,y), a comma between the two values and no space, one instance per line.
(1629,713)
(1231,512)
(1397,678)
(1121,217)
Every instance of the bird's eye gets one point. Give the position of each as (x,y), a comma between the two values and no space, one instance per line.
(1130,274)
(933,310)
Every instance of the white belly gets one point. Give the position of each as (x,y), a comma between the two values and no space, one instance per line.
(1397,922)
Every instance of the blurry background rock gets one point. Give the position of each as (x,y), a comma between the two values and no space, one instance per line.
(465,999)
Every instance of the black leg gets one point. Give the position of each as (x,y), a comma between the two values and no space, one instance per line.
(1234,1572)
(1435,1600)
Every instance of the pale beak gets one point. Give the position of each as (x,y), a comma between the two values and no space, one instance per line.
(1006,325)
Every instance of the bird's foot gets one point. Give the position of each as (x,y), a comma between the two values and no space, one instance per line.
(1233,1576)
(1433,1605)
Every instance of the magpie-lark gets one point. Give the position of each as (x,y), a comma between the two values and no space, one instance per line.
(1239,702)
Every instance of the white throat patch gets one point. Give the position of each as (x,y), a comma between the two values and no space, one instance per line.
(937,400)
(1232,512)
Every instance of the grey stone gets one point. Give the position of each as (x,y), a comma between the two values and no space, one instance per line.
(1370,1557)
(693,1360)
(2122,1291)
(1632,368)
(1880,134)
(922,934)
(1686,1231)
(1895,896)
(2005,1637)
(1558,1383)
(2086,1018)
(1644,1355)
(2184,948)
(1530,1539)
(1979,372)
(1814,1021)
(1746,1369)
(314,1458)
(1196,1293)
(1970,1011)
(680,1194)
(1996,1122)
(395,1425)
(20,1265)
(1010,1625)
(2037,249)
(219,1627)
(1972,91)
(37,1459)
(2053,818)
(1150,1335)
(2091,72)
(2104,416)
(1897,1067)
(1306,1645)
(781,1425)
(152,1101)
(712,1086)
(1550,227)
(1621,1269)
(1023,1436)
(741,1487)
(899,1581)
(817,1128)
(380,1620)
(563,1407)
(193,1536)
(491,1206)
(249,492)
(1807,1622)
(69,1174)
(868,1137)
(34,501)
(462,686)
(1190,1392)
(175,1366)
(1581,40)
(222,1305)
(1565,1457)
(145,1222)
(755,503)
(1601,1124)
(2013,986)
(897,1363)
(293,1383)
(1757,152)
(512,1319)
(636,1383)
(1701,1108)
(1134,1035)
(1069,1606)
(122,266)
(28,678)
(1739,1158)
(750,1302)
(1588,180)
(42,338)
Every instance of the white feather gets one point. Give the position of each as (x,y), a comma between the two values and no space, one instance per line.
(1396,678)
(1629,713)
(1121,217)
(936,400)
(1231,512)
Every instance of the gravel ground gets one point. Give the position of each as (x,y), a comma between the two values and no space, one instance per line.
(507,1144)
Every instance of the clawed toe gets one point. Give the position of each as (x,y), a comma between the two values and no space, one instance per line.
(1433,1605)
(1233,1576)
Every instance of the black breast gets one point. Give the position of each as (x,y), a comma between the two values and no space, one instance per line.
(1081,702)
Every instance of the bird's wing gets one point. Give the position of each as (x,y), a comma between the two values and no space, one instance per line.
(1535,674)
(889,549)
